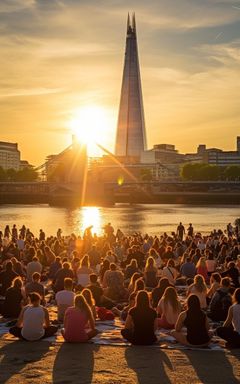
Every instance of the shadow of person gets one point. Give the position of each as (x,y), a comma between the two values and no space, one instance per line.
(211,367)
(149,364)
(74,363)
(18,354)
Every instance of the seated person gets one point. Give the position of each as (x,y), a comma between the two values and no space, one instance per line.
(100,299)
(196,322)
(230,331)
(62,273)
(215,281)
(35,286)
(150,273)
(123,314)
(84,272)
(233,273)
(33,323)
(14,299)
(141,322)
(199,289)
(114,281)
(76,321)
(188,269)
(170,272)
(168,308)
(221,301)
(158,292)
(65,298)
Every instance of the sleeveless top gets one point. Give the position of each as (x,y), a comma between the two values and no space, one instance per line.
(33,320)
(75,323)
(195,323)
(236,317)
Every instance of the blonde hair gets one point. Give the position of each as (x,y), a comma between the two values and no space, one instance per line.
(201,262)
(17,282)
(150,263)
(81,303)
(87,294)
(199,283)
(170,297)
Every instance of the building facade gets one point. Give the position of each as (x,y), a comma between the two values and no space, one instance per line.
(9,156)
(131,134)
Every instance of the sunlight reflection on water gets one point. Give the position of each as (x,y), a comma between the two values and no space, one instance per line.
(152,219)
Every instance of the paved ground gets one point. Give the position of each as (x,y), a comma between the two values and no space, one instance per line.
(41,362)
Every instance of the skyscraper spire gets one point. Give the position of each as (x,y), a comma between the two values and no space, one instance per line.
(131,136)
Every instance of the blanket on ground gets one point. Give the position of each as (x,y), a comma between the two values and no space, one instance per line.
(110,334)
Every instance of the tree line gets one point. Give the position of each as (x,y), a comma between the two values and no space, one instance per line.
(207,172)
(25,174)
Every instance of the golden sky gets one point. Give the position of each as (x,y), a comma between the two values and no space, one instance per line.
(58,56)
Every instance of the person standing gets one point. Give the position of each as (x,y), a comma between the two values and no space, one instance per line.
(180,231)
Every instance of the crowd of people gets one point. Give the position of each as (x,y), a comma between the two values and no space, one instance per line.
(180,282)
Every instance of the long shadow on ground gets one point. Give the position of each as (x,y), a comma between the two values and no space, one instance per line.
(212,367)
(74,363)
(13,360)
(141,359)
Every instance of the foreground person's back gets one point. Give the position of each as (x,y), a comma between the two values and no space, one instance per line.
(141,322)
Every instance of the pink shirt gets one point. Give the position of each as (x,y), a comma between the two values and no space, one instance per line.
(75,322)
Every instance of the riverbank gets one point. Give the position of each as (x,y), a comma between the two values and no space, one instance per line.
(42,362)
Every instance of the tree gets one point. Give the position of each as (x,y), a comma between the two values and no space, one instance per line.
(232,172)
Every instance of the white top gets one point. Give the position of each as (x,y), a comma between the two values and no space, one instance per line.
(33,321)
(83,274)
(236,317)
(65,297)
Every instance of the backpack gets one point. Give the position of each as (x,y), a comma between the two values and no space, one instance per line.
(222,305)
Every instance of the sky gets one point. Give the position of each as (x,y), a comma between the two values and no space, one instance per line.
(61,56)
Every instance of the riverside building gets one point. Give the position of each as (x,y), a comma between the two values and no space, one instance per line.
(9,156)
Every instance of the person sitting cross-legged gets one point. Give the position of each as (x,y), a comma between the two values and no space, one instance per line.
(141,322)
(33,322)
(196,322)
(76,320)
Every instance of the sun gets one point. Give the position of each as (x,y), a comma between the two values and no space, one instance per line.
(91,125)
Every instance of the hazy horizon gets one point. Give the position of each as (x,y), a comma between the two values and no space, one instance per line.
(60,56)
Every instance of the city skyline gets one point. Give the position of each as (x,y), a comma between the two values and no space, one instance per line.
(62,56)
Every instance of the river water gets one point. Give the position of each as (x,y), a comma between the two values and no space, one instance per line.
(151,219)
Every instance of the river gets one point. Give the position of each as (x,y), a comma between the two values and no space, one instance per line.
(151,219)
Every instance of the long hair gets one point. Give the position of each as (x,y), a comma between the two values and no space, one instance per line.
(85,261)
(150,263)
(81,303)
(17,282)
(142,300)
(88,296)
(170,297)
(193,304)
(199,283)
(201,262)
(139,285)
(134,277)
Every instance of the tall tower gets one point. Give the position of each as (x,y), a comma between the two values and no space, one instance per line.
(131,135)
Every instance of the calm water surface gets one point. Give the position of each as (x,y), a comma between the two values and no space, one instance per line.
(152,219)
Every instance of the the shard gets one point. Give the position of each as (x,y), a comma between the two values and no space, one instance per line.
(131,135)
